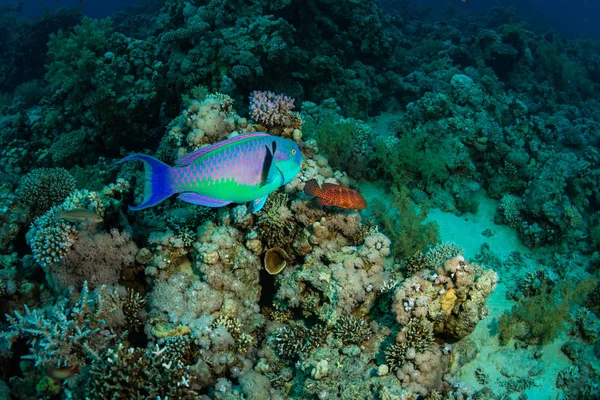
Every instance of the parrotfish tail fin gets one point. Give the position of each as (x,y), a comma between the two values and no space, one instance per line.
(311,188)
(156,186)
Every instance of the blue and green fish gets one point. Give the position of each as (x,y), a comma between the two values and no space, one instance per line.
(246,168)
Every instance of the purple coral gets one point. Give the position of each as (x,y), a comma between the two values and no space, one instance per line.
(271,109)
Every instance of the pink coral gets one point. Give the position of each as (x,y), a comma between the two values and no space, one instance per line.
(271,109)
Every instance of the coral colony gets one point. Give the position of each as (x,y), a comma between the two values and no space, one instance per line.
(336,200)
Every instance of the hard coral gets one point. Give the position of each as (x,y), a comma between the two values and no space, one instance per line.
(276,226)
(65,336)
(352,330)
(43,188)
(452,297)
(135,373)
(50,240)
(415,337)
(296,340)
(271,109)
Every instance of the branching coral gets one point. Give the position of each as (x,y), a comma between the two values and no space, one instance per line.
(43,188)
(352,330)
(271,109)
(133,373)
(50,240)
(297,340)
(415,337)
(64,336)
(132,307)
(275,224)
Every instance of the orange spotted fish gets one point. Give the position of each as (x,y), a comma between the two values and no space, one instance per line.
(330,194)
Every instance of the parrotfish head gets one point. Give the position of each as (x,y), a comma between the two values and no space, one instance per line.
(288,158)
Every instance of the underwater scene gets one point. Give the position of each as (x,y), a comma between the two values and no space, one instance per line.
(300,199)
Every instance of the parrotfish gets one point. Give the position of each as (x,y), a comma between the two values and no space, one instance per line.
(245,168)
(329,194)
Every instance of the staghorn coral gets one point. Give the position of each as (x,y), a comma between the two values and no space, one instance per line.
(132,307)
(296,340)
(510,209)
(352,330)
(180,348)
(64,336)
(440,253)
(131,373)
(415,263)
(536,282)
(276,226)
(11,211)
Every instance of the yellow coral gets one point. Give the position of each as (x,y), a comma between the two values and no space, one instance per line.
(448,300)
(163,330)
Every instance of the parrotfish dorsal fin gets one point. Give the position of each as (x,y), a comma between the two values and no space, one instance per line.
(194,155)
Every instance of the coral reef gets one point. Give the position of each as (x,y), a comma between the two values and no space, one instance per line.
(424,110)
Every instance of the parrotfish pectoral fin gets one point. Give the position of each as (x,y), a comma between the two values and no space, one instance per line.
(268,170)
(281,177)
(196,198)
(259,203)
(271,174)
(156,187)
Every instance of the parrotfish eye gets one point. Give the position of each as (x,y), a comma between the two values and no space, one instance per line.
(293,151)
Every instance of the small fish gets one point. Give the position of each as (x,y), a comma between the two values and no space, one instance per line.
(77,215)
(238,170)
(60,374)
(330,194)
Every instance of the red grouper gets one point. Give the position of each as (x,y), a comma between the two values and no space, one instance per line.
(237,170)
